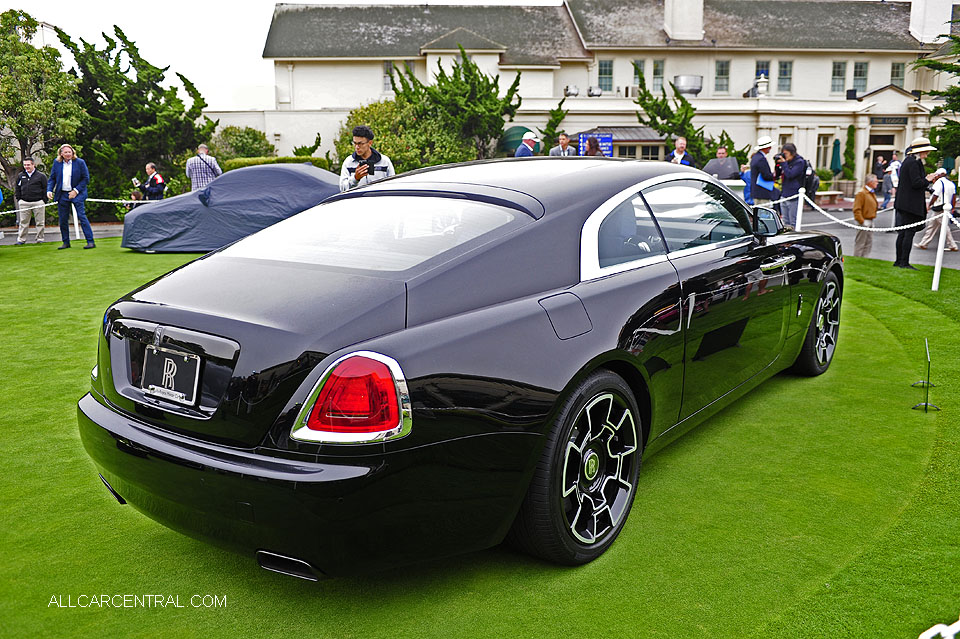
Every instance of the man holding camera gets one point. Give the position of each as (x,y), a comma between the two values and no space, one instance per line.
(365,165)
(792,170)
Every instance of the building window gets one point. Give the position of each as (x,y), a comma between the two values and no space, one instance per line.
(387,72)
(721,79)
(627,151)
(838,79)
(657,75)
(785,77)
(637,70)
(824,150)
(897,74)
(763,68)
(860,76)
(650,152)
(605,75)
(784,139)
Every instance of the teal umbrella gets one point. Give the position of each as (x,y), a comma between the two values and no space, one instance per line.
(949,163)
(836,164)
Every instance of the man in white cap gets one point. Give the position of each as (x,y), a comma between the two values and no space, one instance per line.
(761,175)
(910,201)
(944,191)
(527,144)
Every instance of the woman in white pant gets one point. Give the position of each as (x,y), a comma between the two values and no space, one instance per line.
(943,194)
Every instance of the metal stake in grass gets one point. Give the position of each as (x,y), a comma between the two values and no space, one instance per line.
(925,404)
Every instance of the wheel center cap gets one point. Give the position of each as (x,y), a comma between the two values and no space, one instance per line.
(591,465)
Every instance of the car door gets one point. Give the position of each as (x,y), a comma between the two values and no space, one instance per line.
(632,295)
(733,285)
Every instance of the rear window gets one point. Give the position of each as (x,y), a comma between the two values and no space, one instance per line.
(384,233)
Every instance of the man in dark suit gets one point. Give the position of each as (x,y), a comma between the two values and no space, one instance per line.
(68,185)
(911,201)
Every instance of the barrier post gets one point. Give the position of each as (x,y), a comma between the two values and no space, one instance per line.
(941,242)
(76,223)
(801,196)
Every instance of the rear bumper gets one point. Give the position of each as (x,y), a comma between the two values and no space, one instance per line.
(341,514)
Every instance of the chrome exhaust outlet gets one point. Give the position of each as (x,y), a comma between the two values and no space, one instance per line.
(122,501)
(284,565)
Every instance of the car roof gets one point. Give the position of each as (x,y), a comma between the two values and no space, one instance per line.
(553,181)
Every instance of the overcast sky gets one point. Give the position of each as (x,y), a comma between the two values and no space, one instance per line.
(216,44)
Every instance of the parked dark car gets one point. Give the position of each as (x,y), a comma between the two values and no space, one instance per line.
(425,366)
(236,204)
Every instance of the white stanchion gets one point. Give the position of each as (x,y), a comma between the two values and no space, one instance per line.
(938,266)
(801,197)
(76,222)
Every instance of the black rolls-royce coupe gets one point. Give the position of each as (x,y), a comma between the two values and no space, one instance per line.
(431,364)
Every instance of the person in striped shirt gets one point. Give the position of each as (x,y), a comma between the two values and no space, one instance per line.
(202,169)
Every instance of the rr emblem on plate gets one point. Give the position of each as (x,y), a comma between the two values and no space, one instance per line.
(169,371)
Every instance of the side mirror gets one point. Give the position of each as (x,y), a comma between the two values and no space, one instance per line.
(766,222)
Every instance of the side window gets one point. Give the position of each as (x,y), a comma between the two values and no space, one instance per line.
(628,233)
(692,213)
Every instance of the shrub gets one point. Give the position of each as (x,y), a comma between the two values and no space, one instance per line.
(826,179)
(411,142)
(240,142)
(849,156)
(239,163)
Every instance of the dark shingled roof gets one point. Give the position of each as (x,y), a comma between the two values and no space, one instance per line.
(465,38)
(531,35)
(625,133)
(752,24)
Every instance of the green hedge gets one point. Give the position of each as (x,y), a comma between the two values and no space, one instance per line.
(239,163)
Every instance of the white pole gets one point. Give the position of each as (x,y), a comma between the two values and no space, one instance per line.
(800,198)
(944,229)
(76,222)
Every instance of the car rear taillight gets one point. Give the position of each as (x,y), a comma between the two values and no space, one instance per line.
(361,397)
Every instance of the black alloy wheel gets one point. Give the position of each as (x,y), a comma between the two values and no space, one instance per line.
(584,484)
(821,340)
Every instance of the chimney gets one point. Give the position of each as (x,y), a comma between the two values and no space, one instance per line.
(683,19)
(930,19)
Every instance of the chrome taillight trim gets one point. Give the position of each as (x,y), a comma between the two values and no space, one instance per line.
(300,431)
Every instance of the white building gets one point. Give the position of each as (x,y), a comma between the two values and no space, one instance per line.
(809,55)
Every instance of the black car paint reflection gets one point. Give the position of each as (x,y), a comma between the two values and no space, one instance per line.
(492,335)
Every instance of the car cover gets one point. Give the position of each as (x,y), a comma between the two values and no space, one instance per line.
(231,207)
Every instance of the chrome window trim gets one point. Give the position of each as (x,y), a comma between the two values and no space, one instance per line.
(300,431)
(724,244)
(590,268)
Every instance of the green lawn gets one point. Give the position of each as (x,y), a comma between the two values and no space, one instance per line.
(818,507)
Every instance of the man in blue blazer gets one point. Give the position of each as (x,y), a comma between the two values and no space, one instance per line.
(68,185)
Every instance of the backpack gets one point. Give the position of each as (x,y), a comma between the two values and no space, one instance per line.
(811,181)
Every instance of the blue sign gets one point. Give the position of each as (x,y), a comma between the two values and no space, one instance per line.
(605,140)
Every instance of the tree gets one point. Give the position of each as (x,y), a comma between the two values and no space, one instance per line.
(410,141)
(38,101)
(550,133)
(466,100)
(849,154)
(945,137)
(241,142)
(133,119)
(307,150)
(674,118)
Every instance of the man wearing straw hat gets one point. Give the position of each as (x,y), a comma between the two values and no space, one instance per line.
(910,201)
(761,175)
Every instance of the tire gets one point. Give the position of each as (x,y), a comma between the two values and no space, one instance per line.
(821,340)
(584,483)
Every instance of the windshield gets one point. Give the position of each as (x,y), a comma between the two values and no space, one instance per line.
(384,233)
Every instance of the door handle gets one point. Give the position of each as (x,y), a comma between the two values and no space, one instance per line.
(773,265)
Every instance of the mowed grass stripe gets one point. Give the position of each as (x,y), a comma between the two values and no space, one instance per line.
(799,482)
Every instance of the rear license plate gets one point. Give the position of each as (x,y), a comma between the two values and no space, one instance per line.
(170,375)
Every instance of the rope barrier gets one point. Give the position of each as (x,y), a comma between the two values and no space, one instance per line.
(89,199)
(885,229)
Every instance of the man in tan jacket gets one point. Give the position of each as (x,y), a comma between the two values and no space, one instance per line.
(865,211)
